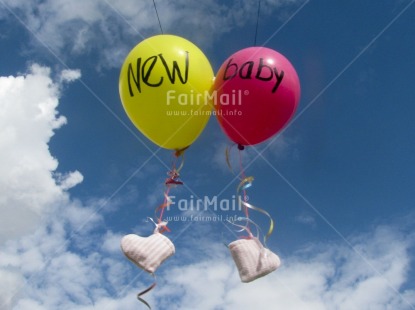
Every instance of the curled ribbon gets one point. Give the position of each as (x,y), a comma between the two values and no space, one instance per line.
(246,183)
(148,289)
(244,227)
(158,226)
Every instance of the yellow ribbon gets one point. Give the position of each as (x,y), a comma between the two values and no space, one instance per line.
(228,162)
(243,185)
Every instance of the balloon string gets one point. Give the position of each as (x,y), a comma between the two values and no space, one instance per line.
(227,154)
(228,150)
(161,226)
(271,224)
(240,164)
(245,183)
(148,289)
(179,154)
(241,175)
(172,180)
(158,18)
(245,197)
(257,21)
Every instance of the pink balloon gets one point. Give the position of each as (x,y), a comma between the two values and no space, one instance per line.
(255,94)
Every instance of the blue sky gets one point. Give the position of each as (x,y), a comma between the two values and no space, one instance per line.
(76,175)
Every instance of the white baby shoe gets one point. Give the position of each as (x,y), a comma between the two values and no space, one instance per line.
(147,253)
(252,259)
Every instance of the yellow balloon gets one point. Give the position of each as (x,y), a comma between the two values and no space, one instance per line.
(164,88)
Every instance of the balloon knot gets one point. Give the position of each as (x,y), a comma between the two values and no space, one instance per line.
(241,147)
(180,152)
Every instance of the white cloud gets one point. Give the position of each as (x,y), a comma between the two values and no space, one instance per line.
(307,219)
(28,119)
(281,146)
(51,255)
(277,148)
(69,180)
(111,27)
(45,272)
(322,277)
(70,75)
(68,261)
(235,156)
(111,242)
(10,280)
(82,219)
